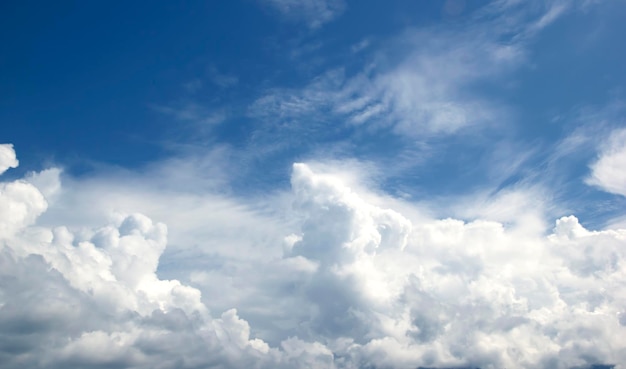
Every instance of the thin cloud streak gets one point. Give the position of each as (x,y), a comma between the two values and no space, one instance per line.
(314,13)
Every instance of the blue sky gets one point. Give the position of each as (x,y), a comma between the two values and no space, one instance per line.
(271,136)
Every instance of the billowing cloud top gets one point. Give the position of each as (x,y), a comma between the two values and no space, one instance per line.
(361,282)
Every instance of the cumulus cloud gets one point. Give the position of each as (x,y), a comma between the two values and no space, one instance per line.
(356,280)
(609,171)
(94,299)
(450,293)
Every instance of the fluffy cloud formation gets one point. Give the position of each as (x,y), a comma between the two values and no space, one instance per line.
(609,172)
(362,283)
(94,299)
(394,293)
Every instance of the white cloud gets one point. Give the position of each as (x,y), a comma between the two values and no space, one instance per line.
(330,273)
(67,300)
(20,205)
(555,10)
(609,171)
(312,12)
(448,293)
(346,278)
(421,82)
(7,158)
(47,182)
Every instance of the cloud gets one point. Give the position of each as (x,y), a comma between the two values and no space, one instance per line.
(360,46)
(193,85)
(7,158)
(194,113)
(450,293)
(609,171)
(420,84)
(174,265)
(426,94)
(221,79)
(93,299)
(314,13)
(325,274)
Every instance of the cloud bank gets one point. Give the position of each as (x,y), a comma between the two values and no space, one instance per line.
(359,281)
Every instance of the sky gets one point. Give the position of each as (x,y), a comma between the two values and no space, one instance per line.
(313,184)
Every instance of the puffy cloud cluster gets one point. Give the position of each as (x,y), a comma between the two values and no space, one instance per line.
(362,283)
(394,293)
(93,298)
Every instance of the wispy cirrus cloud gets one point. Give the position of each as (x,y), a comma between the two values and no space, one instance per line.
(223,80)
(314,13)
(583,160)
(427,87)
(191,118)
(428,91)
